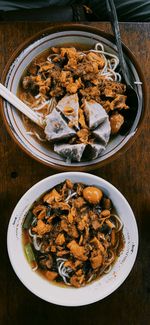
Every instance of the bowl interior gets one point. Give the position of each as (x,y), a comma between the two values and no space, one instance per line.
(94,291)
(14,120)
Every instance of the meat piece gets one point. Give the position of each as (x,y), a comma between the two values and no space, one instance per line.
(40,211)
(79,189)
(64,225)
(81,225)
(106,105)
(69,184)
(108,92)
(33,68)
(72,215)
(116,121)
(70,52)
(97,244)
(77,281)
(52,196)
(46,262)
(119,102)
(90,93)
(74,86)
(46,66)
(82,119)
(105,214)
(83,135)
(53,249)
(77,251)
(113,237)
(57,91)
(72,231)
(55,49)
(96,259)
(41,228)
(111,88)
(110,224)
(94,57)
(78,263)
(44,90)
(60,240)
(79,202)
(29,82)
(107,204)
(95,224)
(62,253)
(70,264)
(61,205)
(51,275)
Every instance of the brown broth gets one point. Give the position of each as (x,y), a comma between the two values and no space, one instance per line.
(27,239)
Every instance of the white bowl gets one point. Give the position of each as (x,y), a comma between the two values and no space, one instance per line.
(72,34)
(91,292)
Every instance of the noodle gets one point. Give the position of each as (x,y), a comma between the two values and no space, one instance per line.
(91,74)
(73,236)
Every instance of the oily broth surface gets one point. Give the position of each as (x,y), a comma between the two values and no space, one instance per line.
(26,238)
(28,124)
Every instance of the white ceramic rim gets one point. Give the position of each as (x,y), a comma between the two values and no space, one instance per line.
(91,179)
(31,145)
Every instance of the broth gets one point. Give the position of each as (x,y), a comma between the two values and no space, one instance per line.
(68,254)
(63,72)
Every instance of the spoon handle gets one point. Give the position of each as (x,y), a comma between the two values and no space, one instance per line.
(17,103)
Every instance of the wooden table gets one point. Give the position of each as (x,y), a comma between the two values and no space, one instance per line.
(130,304)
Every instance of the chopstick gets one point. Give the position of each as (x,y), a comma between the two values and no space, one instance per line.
(23,108)
(111,9)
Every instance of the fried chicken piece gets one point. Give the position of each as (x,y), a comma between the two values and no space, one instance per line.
(60,240)
(90,92)
(119,102)
(97,244)
(77,251)
(79,202)
(96,259)
(116,121)
(51,275)
(74,86)
(94,57)
(41,228)
(52,196)
(77,281)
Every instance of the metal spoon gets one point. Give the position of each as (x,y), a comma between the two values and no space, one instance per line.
(132,97)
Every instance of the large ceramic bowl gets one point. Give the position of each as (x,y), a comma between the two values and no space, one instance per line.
(98,289)
(67,35)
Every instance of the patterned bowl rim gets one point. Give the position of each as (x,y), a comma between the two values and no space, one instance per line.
(90,29)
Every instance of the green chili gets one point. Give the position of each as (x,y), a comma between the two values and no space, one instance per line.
(29,253)
(27,220)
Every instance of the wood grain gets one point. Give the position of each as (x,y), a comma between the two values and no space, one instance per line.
(130,304)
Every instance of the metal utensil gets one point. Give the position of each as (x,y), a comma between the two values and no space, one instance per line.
(132,97)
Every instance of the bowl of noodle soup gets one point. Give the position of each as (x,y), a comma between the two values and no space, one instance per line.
(87,145)
(72,266)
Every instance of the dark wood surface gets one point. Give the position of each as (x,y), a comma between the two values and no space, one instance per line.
(130,304)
